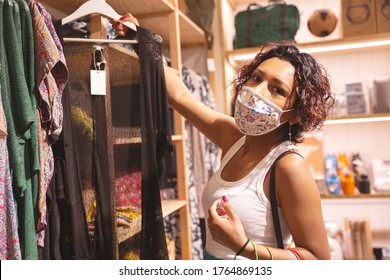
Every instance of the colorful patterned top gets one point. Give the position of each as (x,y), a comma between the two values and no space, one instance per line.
(9,238)
(51,77)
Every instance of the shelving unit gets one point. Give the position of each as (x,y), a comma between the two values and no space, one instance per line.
(152,15)
(170,205)
(164,18)
(369,42)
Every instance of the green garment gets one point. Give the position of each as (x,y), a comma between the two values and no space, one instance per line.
(17,62)
(27,39)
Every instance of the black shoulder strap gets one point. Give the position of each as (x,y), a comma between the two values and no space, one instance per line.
(274,205)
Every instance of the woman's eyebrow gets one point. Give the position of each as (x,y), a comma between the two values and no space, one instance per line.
(279,81)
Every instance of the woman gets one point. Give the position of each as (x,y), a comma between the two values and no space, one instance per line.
(278,96)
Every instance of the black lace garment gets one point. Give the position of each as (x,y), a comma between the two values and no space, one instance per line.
(156,135)
(108,137)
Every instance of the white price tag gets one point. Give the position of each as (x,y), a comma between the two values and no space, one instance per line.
(98,82)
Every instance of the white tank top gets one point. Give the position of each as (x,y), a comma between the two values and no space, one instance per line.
(248,200)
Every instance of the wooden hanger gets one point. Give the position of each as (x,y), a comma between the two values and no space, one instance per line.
(96,7)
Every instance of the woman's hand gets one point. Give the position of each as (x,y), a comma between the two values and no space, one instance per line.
(120,29)
(225,226)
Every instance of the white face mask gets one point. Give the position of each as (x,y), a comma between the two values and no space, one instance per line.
(254,114)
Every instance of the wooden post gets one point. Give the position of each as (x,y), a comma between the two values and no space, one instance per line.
(182,181)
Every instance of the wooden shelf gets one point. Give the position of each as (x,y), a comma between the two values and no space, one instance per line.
(126,135)
(168,207)
(356,196)
(359,118)
(380,40)
(171,205)
(177,138)
(377,40)
(152,15)
(136,7)
(124,233)
(190,34)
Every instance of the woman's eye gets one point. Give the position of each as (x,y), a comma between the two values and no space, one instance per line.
(256,78)
(278,90)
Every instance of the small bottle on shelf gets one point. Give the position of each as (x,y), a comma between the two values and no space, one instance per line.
(347,182)
(332,179)
(363,184)
(333,182)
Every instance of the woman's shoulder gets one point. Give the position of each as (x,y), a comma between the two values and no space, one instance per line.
(292,163)
(294,173)
(229,134)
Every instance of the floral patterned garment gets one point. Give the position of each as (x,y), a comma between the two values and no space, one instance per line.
(51,79)
(128,210)
(9,238)
(51,70)
(199,86)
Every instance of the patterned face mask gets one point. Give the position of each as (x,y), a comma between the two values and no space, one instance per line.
(254,114)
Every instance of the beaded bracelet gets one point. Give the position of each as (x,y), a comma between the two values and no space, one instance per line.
(254,249)
(242,249)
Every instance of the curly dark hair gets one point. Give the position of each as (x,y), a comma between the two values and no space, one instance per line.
(313,96)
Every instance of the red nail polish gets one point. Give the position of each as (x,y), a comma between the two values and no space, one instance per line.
(224,198)
(122,18)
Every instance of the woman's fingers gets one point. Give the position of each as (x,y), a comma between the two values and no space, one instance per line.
(227,207)
(129,18)
(120,29)
(213,214)
(224,225)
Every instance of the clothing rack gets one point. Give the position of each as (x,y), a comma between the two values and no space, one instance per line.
(99,41)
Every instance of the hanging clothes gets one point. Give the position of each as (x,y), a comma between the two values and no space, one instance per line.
(81,154)
(17,82)
(212,152)
(75,172)
(157,142)
(9,238)
(67,232)
(195,163)
(202,161)
(51,77)
(201,154)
